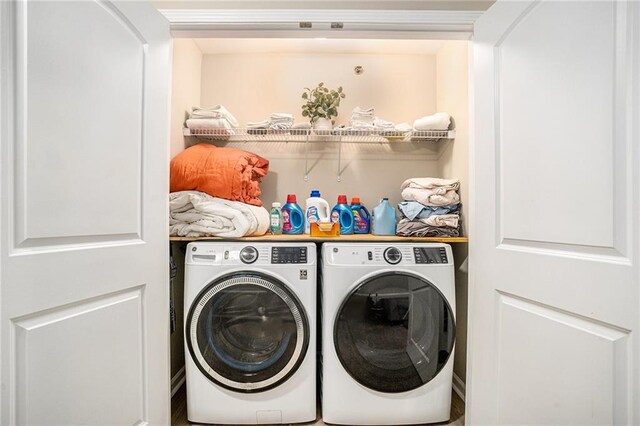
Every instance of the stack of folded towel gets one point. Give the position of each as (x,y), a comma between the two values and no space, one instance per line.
(431,208)
(217,121)
(437,121)
(362,118)
(277,121)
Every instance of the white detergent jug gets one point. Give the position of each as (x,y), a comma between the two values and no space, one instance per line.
(316,210)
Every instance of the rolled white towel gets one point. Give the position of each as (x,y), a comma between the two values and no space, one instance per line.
(217,111)
(301,126)
(437,121)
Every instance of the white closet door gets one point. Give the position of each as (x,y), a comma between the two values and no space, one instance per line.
(554,291)
(84,239)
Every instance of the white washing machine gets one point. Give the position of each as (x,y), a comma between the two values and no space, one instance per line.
(388,332)
(250,332)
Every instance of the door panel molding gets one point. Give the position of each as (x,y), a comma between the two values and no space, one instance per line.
(586,341)
(30,332)
(617,245)
(25,239)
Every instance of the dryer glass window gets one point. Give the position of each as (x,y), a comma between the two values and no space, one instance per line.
(247,332)
(394,333)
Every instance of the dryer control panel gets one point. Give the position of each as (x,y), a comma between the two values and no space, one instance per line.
(289,254)
(430,255)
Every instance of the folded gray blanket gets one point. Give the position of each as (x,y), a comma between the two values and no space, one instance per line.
(418,228)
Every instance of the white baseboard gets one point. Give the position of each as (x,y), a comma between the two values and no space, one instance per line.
(459,386)
(178,380)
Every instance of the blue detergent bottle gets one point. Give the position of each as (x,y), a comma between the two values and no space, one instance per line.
(361,217)
(292,217)
(384,218)
(342,213)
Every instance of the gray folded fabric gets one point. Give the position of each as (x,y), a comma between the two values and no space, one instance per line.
(414,210)
(418,228)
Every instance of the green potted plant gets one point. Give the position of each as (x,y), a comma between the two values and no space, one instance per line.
(321,105)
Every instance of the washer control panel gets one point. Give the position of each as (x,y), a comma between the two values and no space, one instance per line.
(430,255)
(288,255)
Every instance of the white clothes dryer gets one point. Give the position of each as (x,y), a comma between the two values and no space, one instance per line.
(250,332)
(388,333)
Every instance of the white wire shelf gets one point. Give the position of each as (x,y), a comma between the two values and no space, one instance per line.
(309,135)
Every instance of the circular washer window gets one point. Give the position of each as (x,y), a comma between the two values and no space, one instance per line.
(247,332)
(394,332)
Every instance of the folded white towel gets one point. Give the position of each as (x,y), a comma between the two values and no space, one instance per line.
(437,121)
(363,111)
(264,124)
(217,111)
(383,124)
(431,191)
(210,126)
(281,116)
(196,214)
(301,126)
(403,127)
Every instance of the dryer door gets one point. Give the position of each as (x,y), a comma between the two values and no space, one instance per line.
(247,332)
(394,332)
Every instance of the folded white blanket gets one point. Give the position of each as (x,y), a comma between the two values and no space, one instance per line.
(217,111)
(431,191)
(196,214)
(437,121)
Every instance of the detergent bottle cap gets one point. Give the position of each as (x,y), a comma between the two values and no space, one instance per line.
(355,200)
(291,198)
(342,199)
(315,193)
(275,205)
(385,199)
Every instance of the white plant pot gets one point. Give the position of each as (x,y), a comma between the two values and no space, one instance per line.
(323,124)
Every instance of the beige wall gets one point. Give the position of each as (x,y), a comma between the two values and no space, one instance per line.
(452,82)
(252,86)
(185,90)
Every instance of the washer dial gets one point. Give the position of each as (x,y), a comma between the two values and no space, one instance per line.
(392,255)
(248,254)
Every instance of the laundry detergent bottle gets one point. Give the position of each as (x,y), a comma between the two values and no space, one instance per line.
(292,217)
(276,219)
(361,217)
(342,214)
(384,218)
(317,210)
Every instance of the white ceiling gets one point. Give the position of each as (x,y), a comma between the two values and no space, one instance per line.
(310,45)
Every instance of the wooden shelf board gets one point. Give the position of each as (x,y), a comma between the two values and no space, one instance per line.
(342,238)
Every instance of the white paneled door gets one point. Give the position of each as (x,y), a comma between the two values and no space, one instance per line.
(84,242)
(554,290)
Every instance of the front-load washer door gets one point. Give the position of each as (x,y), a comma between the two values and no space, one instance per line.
(394,332)
(247,332)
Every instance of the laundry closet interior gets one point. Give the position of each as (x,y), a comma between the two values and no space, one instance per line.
(401,79)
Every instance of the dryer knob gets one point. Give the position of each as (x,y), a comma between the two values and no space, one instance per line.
(249,254)
(392,255)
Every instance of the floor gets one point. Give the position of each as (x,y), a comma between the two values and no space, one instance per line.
(179,411)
